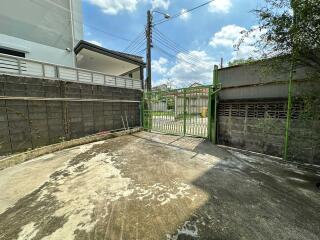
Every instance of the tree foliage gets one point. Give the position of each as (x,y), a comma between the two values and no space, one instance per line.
(240,61)
(290,27)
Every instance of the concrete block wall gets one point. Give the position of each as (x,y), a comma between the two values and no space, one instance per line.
(30,124)
(260,127)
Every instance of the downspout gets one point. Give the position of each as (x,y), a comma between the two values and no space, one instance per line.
(216,90)
(289,110)
(72,33)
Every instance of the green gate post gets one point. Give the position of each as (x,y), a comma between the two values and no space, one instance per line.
(142,111)
(184,113)
(289,110)
(210,114)
(215,85)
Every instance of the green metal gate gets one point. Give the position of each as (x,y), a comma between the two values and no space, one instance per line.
(185,111)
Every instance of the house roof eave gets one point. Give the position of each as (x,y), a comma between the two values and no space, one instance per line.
(137,60)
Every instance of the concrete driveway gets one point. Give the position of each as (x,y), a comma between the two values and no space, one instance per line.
(149,186)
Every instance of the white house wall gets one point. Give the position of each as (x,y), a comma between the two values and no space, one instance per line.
(35,24)
(38,51)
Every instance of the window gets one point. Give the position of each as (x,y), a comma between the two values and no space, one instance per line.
(12,52)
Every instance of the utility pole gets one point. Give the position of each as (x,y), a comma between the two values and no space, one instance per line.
(149,46)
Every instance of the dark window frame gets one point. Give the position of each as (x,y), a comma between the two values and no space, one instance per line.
(12,52)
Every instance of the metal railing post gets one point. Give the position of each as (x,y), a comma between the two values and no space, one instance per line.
(57,72)
(19,66)
(43,70)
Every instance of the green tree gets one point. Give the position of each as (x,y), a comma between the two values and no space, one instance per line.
(240,62)
(290,27)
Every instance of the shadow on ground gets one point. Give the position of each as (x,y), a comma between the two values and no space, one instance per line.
(152,186)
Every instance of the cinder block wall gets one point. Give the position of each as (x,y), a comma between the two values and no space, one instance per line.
(253,110)
(260,126)
(30,124)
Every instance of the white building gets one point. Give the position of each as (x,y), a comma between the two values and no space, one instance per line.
(51,31)
(43,30)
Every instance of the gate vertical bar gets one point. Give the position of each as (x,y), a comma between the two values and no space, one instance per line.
(215,84)
(184,112)
(210,113)
(142,111)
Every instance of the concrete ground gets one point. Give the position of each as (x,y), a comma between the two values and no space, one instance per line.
(150,186)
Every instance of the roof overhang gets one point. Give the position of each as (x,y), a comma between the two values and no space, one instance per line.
(96,58)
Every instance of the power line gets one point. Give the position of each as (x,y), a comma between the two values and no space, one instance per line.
(141,51)
(174,57)
(142,43)
(181,55)
(175,47)
(107,33)
(134,41)
(184,12)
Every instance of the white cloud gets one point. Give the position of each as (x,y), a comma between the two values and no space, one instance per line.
(227,36)
(186,71)
(163,4)
(112,7)
(185,15)
(220,6)
(230,35)
(158,66)
(95,43)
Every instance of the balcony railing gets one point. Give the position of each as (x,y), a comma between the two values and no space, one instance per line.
(25,67)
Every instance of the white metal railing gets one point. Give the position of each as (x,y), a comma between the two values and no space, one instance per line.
(26,67)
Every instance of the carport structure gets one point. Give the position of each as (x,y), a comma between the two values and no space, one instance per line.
(152,186)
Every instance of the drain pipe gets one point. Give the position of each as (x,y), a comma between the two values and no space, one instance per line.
(217,88)
(289,110)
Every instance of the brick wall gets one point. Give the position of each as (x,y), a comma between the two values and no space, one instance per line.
(260,126)
(30,124)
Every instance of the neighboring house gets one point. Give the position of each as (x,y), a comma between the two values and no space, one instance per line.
(196,100)
(99,59)
(195,84)
(42,30)
(162,87)
(51,32)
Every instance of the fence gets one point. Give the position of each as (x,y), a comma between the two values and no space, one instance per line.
(184,111)
(26,67)
(36,112)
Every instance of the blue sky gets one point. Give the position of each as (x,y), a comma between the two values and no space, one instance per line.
(205,35)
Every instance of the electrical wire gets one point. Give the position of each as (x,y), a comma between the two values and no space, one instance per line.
(181,56)
(137,45)
(185,55)
(174,45)
(134,41)
(141,51)
(184,12)
(175,57)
